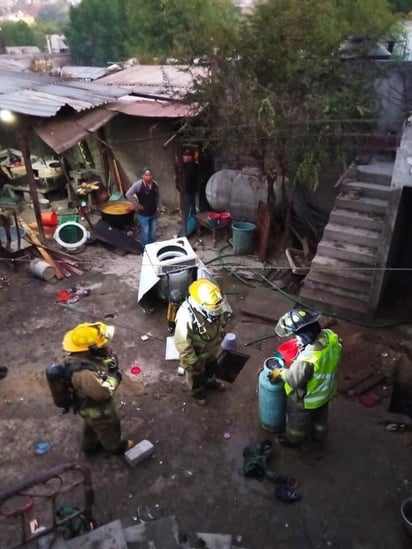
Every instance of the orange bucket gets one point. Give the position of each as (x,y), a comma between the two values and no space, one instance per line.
(289,350)
(49,219)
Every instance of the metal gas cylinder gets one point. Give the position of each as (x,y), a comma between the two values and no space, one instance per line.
(271,398)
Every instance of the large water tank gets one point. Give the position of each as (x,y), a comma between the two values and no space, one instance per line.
(237,191)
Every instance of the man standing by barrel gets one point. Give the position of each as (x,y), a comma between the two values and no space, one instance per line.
(310,381)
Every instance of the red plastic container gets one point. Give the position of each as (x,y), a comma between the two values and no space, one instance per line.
(213,219)
(289,350)
(225,218)
(49,219)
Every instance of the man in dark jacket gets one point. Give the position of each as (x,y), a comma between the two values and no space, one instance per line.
(145,194)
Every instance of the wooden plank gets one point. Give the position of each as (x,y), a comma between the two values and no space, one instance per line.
(45,255)
(263,228)
(367,384)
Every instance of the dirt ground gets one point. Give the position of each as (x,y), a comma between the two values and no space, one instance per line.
(351,492)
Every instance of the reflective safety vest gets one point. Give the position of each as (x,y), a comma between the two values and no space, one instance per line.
(322,386)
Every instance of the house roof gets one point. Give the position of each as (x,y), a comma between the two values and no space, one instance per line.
(152,108)
(169,81)
(83,73)
(38,95)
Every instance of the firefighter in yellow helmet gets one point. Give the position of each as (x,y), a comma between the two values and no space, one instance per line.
(199,331)
(93,373)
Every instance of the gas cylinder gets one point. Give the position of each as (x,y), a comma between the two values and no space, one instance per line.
(271,398)
(175,299)
(59,386)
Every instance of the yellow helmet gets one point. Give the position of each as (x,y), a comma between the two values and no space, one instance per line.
(206,296)
(84,335)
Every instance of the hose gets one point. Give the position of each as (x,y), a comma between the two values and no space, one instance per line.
(296,299)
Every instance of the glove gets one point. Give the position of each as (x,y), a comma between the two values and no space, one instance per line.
(274,375)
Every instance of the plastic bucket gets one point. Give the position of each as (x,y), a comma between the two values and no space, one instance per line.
(225,218)
(49,219)
(242,237)
(42,269)
(213,219)
(230,342)
(289,350)
(71,235)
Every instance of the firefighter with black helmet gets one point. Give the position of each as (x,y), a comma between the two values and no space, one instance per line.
(310,381)
(91,374)
(198,333)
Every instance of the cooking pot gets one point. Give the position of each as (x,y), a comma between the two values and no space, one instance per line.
(117,213)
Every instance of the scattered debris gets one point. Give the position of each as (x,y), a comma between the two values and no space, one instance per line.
(42,448)
(71,295)
(369,399)
(144,337)
(140,452)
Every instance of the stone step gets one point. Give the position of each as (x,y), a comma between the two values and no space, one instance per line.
(362,220)
(331,266)
(368,190)
(362,204)
(345,283)
(377,172)
(336,290)
(352,235)
(330,302)
(347,252)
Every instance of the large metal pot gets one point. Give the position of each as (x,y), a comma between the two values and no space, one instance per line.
(117,213)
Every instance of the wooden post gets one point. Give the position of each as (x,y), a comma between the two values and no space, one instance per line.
(181,186)
(25,149)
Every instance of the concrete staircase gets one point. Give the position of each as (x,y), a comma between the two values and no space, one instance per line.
(346,274)
(162,533)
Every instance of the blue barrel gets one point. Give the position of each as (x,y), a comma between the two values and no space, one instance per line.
(271,400)
(242,237)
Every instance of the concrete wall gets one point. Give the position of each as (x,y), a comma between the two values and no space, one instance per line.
(402,171)
(138,142)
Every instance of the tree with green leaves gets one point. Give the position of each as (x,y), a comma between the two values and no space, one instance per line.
(96,32)
(21,34)
(178,28)
(102,30)
(281,95)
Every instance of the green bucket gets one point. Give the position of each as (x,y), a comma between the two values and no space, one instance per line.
(242,237)
(71,234)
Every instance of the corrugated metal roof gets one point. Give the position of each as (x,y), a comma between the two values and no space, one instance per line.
(38,95)
(153,109)
(83,73)
(172,81)
(61,133)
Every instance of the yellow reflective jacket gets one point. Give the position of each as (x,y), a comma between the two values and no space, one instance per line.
(321,359)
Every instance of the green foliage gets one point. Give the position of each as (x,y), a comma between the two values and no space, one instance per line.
(178,28)
(283,97)
(21,34)
(95,33)
(401,6)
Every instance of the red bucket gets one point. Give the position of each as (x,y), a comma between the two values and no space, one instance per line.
(49,219)
(213,219)
(225,218)
(289,350)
